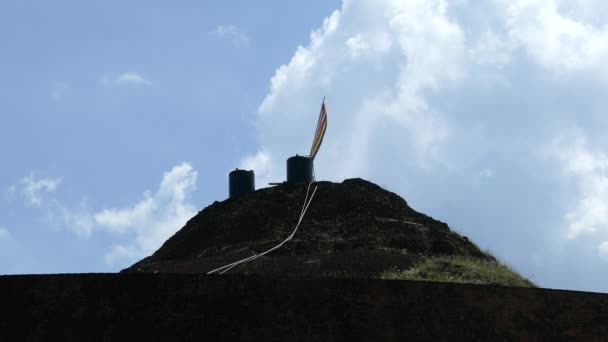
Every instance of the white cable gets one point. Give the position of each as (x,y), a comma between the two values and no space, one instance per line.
(230,266)
(273,248)
(305,206)
(305,199)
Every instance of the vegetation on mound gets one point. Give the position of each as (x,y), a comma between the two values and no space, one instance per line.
(458,269)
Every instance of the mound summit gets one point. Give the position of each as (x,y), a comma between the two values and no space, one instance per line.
(351,229)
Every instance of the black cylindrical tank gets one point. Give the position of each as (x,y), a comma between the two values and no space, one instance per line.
(241,182)
(299,169)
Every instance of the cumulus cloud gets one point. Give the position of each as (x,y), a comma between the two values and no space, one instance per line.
(556,40)
(154,218)
(451,101)
(491,49)
(40,192)
(589,169)
(33,188)
(409,78)
(374,63)
(78,220)
(237,36)
(129,78)
(261,164)
(142,226)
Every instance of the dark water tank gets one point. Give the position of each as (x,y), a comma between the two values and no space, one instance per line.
(299,169)
(241,182)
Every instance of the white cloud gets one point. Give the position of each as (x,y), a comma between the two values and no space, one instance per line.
(589,168)
(119,221)
(154,218)
(132,78)
(491,49)
(408,74)
(554,36)
(236,35)
(143,226)
(4,233)
(33,188)
(129,78)
(261,164)
(368,43)
(374,61)
(78,220)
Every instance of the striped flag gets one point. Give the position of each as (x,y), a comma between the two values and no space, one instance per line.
(321,126)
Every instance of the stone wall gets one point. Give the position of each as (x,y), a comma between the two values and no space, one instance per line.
(166,307)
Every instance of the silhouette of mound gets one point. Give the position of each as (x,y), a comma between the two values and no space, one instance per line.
(353,228)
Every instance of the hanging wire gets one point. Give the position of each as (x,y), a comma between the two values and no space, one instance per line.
(226,268)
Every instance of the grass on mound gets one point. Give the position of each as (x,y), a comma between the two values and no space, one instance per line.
(461,270)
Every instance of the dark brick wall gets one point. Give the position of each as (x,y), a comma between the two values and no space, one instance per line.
(165,307)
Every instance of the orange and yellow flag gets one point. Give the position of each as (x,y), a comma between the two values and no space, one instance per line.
(321,126)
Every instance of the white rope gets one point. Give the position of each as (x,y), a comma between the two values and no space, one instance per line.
(305,199)
(226,268)
(305,206)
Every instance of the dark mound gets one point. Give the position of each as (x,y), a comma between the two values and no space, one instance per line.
(354,228)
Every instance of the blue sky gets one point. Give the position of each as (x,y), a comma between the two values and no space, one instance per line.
(121,121)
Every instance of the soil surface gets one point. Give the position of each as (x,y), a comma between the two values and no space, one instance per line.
(354,228)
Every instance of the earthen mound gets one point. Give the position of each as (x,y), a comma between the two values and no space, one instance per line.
(353,228)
